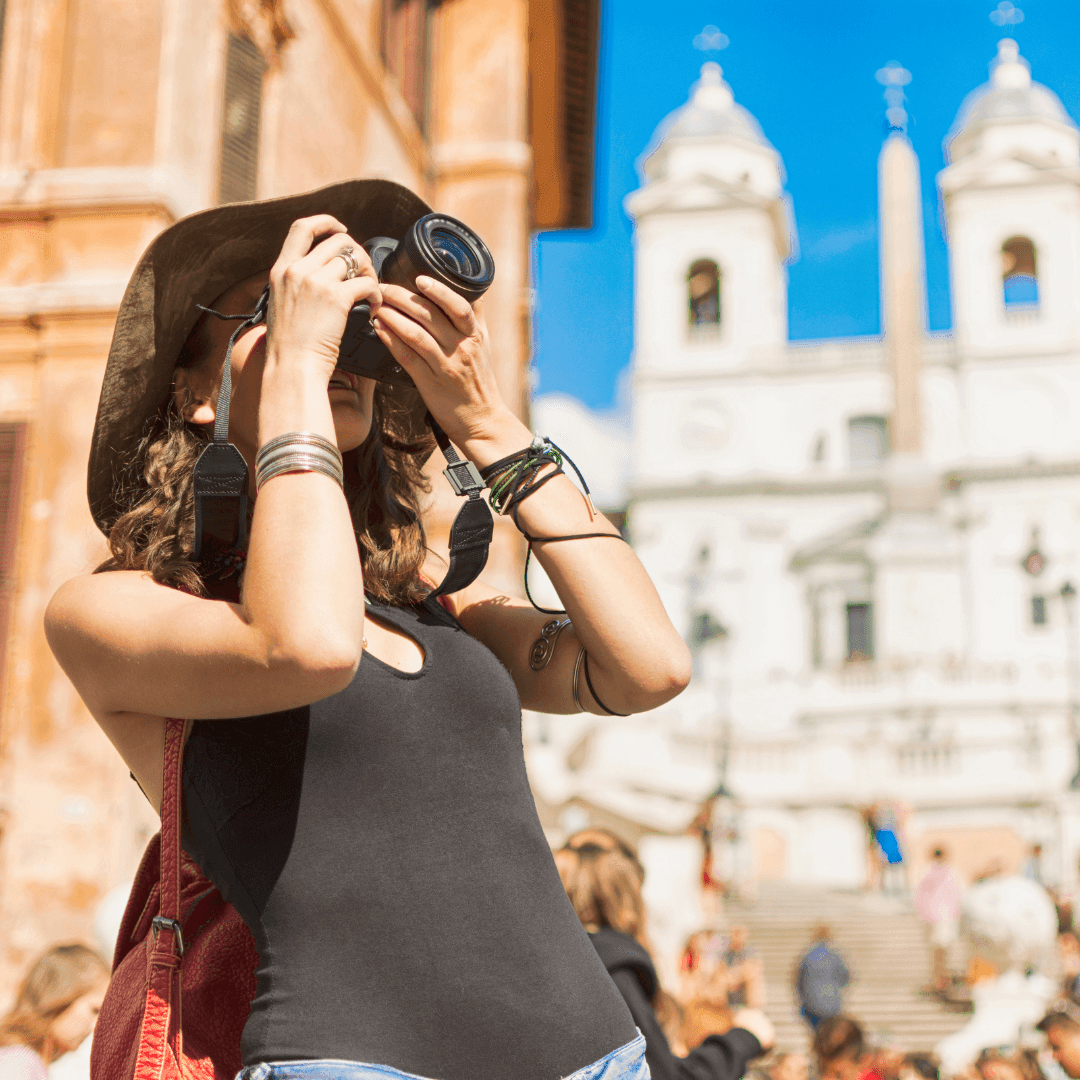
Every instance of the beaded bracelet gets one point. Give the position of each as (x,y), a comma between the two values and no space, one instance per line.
(514,478)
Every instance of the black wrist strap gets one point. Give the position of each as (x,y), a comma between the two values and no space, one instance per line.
(473,528)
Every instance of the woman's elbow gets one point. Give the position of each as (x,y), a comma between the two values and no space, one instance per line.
(327,662)
(665,679)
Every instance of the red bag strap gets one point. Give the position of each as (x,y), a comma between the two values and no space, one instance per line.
(168,919)
(162,1022)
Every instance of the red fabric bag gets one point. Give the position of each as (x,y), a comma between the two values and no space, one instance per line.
(178,938)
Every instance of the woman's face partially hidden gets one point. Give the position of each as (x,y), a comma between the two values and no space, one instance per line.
(196,388)
(77,1021)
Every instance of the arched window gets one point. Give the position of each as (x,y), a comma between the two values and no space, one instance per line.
(1019,274)
(703,295)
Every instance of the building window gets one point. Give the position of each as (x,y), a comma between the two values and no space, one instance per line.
(1019,275)
(703,296)
(868,440)
(240,116)
(404,43)
(1038,611)
(860,632)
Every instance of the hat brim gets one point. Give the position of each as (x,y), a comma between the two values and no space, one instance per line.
(193,262)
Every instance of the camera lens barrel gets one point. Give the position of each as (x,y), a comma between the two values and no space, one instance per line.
(444,249)
(436,245)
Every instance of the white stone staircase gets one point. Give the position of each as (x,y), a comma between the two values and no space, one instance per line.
(884,946)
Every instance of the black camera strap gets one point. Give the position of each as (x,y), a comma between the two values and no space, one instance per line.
(221,473)
(473,528)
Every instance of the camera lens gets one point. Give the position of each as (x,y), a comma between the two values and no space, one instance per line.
(454,254)
(445,249)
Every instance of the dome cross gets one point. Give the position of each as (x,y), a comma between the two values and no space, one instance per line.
(1006,14)
(711,39)
(893,76)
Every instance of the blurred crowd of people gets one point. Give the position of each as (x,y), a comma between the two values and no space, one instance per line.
(709,1025)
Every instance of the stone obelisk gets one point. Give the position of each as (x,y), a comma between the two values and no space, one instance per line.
(903,299)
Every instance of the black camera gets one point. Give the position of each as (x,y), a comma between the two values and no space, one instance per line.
(436,245)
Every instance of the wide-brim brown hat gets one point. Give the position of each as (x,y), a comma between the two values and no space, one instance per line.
(193,262)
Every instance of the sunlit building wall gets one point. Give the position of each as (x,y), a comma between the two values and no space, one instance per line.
(116,118)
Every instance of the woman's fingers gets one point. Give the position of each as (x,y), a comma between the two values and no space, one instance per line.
(302,234)
(457,308)
(446,316)
(425,313)
(335,247)
(404,354)
(411,334)
(335,269)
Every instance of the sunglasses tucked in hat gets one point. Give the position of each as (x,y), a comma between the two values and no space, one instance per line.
(193,262)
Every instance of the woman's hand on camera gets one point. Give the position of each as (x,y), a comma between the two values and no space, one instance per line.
(441,340)
(310,296)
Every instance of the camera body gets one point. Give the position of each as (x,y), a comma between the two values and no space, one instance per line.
(436,245)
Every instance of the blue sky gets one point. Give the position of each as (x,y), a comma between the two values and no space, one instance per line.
(805,69)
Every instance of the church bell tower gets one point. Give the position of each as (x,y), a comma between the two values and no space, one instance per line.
(1012,208)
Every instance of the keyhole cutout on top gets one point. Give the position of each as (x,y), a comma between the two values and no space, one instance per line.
(392,646)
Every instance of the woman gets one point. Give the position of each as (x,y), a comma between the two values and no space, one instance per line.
(603,882)
(353,778)
(55,1010)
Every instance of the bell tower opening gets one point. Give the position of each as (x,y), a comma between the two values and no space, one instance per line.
(703,297)
(1019,275)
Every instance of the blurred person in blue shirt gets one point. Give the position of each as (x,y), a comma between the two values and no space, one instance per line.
(820,979)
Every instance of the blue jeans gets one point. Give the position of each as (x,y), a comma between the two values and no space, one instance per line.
(626,1063)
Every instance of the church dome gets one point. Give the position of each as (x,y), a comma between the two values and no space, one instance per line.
(1009,97)
(711,114)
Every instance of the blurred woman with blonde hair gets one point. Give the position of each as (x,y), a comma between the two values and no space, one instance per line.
(54,1011)
(602,877)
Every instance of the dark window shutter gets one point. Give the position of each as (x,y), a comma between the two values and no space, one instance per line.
(405,37)
(581,31)
(240,114)
(12,454)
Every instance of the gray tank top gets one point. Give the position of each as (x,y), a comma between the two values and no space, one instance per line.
(384,848)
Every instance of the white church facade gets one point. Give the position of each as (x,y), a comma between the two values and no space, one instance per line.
(872,544)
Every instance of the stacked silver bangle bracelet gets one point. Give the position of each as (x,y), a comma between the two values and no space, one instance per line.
(298,451)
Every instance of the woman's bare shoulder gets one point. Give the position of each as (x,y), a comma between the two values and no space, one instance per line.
(85,589)
(91,603)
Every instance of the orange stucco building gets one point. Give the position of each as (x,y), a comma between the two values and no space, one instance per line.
(116,118)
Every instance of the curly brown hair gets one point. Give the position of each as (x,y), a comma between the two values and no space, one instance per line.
(384,483)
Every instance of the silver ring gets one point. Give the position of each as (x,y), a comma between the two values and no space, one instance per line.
(353,267)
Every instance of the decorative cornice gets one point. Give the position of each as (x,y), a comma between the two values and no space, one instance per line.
(872,482)
(62,297)
(455,160)
(51,192)
(955,479)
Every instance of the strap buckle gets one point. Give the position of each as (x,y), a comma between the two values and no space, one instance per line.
(464,477)
(161,923)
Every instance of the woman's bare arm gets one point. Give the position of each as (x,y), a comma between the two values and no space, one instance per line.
(636,658)
(133,646)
